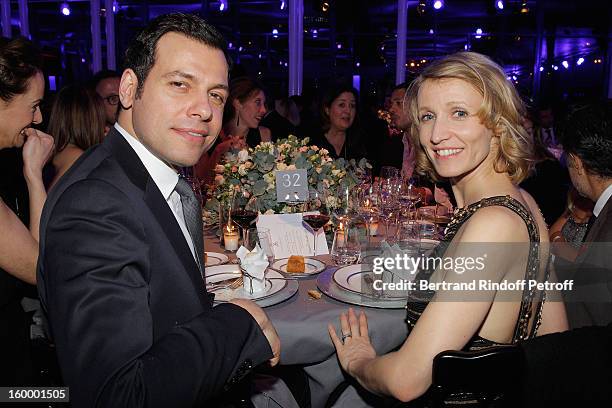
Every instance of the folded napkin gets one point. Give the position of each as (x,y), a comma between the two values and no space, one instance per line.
(405,262)
(254,263)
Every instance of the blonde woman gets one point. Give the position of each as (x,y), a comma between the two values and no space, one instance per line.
(466,118)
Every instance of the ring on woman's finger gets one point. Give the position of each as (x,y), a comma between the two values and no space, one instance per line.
(346,336)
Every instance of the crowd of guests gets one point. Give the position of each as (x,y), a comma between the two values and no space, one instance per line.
(115,246)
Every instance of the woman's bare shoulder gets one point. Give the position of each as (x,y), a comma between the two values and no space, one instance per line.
(494,224)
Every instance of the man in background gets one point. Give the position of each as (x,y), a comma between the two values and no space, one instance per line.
(106,84)
(587,141)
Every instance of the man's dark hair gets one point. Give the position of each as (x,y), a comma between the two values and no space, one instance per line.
(102,75)
(19,61)
(587,133)
(140,55)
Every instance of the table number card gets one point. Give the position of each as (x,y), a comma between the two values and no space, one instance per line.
(290,237)
(291,185)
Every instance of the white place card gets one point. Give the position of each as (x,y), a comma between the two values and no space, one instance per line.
(290,236)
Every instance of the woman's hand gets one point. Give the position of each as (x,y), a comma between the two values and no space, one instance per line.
(36,152)
(354,349)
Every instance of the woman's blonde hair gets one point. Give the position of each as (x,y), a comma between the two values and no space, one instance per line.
(501,111)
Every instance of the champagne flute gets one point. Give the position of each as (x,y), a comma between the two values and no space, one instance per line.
(316,202)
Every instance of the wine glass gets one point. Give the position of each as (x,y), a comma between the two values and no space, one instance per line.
(367,211)
(409,196)
(389,172)
(442,218)
(242,215)
(316,202)
(346,249)
(388,204)
(426,219)
(344,208)
(264,238)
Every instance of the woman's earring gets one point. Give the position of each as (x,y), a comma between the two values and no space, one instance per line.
(237,120)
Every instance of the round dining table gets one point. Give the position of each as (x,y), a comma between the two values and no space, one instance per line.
(301,322)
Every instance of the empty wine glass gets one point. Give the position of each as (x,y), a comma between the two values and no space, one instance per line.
(316,203)
(426,218)
(346,249)
(388,204)
(389,172)
(265,242)
(442,218)
(344,205)
(367,211)
(409,197)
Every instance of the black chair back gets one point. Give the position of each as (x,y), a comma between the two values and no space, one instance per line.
(489,377)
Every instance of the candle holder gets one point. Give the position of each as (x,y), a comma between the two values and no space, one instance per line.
(230,237)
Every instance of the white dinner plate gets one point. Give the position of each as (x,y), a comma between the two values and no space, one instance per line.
(359,279)
(224,272)
(312,266)
(326,285)
(369,256)
(216,258)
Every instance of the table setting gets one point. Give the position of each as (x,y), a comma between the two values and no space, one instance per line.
(333,225)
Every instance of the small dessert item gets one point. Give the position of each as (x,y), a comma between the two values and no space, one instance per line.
(315,294)
(296,264)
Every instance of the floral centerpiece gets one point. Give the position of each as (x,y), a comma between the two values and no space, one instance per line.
(249,174)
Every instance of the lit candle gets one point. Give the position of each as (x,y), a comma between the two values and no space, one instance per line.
(230,238)
(340,234)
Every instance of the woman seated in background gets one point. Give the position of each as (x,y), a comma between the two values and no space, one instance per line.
(21,91)
(77,123)
(340,134)
(244,109)
(569,231)
(466,118)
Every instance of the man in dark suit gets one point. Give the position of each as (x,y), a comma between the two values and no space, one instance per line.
(587,140)
(120,266)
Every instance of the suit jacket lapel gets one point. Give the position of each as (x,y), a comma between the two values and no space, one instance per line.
(600,222)
(137,173)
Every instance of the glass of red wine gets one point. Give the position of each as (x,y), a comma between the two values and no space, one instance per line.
(316,203)
(242,215)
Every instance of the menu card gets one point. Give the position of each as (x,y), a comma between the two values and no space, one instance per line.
(290,236)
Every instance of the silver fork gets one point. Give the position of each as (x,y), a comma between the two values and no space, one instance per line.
(235,283)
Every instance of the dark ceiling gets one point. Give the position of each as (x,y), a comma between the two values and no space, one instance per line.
(355,37)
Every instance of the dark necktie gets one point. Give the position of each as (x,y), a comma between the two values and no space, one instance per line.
(192,212)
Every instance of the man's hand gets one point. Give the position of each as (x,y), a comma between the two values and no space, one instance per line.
(36,152)
(264,323)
